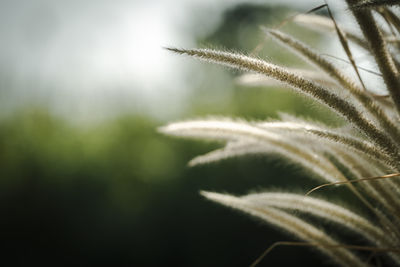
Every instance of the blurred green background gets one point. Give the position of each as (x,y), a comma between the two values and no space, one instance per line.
(116,192)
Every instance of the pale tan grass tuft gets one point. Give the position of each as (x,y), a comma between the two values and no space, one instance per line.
(363,155)
(374,4)
(290,223)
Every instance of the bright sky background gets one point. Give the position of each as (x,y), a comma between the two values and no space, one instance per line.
(93,58)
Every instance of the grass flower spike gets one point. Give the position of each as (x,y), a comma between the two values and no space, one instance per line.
(364,156)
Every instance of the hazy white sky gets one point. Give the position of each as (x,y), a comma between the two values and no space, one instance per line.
(95,57)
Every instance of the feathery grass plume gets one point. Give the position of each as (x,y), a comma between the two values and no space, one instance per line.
(295,151)
(341,78)
(392,18)
(388,23)
(338,104)
(360,167)
(328,211)
(348,141)
(384,192)
(375,4)
(394,24)
(356,154)
(323,209)
(376,190)
(301,155)
(290,223)
(379,50)
(228,130)
(324,24)
(231,150)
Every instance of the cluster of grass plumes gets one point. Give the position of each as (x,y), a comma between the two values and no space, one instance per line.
(364,156)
